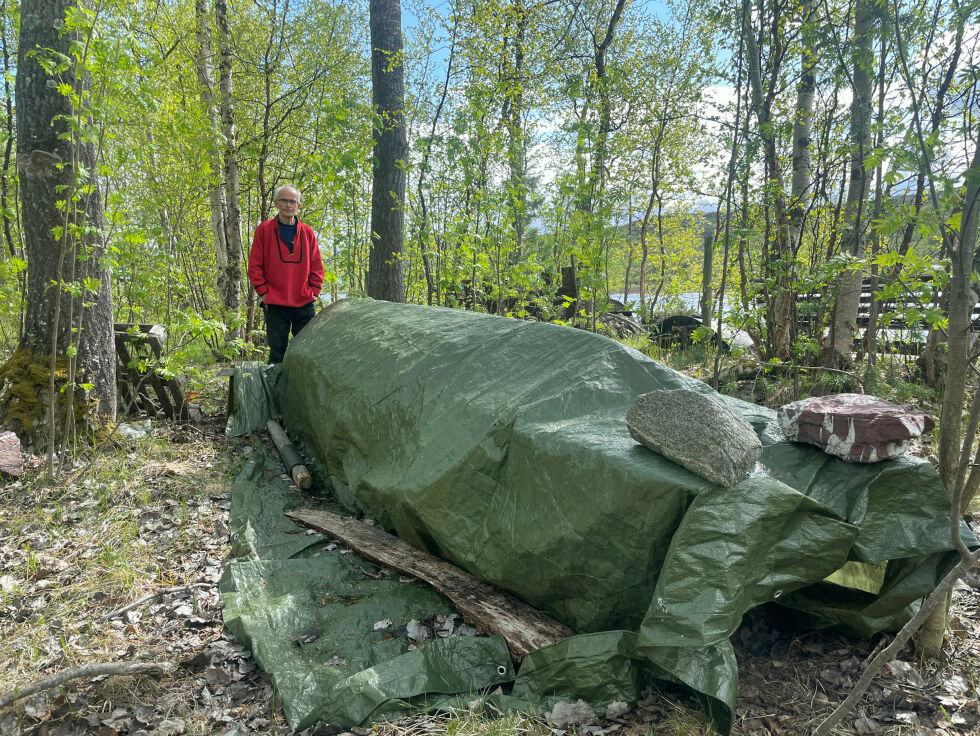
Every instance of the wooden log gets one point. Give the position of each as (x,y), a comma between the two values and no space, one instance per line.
(290,456)
(523,627)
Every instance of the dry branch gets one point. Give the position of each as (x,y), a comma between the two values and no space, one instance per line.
(889,653)
(86,670)
(144,599)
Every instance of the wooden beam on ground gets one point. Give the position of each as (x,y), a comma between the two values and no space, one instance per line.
(523,627)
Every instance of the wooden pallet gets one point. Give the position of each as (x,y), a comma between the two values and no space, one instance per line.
(142,390)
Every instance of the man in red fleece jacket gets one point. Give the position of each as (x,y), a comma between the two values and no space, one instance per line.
(285,268)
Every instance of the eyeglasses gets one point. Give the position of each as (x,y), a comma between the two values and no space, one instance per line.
(288,201)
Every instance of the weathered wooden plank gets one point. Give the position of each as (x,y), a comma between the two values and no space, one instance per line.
(523,627)
(161,389)
(152,335)
(136,384)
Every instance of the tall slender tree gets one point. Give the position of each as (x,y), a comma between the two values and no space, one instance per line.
(232,282)
(844,328)
(9,134)
(385,279)
(778,261)
(216,187)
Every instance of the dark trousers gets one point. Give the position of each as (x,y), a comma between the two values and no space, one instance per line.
(278,321)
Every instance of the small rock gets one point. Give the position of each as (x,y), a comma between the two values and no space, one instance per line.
(11,455)
(616,709)
(565,714)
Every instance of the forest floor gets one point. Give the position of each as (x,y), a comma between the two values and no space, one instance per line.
(139,516)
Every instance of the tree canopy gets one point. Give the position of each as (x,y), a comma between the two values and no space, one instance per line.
(603,139)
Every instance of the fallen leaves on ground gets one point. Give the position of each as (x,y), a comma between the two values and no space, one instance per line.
(157,517)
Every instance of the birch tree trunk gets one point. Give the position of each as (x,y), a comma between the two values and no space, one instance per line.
(854,242)
(11,135)
(513,114)
(232,298)
(779,266)
(216,188)
(802,125)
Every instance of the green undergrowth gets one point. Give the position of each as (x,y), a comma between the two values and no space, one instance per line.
(740,374)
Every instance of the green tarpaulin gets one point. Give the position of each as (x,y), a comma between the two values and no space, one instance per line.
(501,446)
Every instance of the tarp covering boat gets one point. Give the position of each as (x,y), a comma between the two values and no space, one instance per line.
(501,446)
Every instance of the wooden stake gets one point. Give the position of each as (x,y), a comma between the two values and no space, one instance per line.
(290,455)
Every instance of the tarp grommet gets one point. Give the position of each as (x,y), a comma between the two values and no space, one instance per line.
(501,670)
(778,594)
